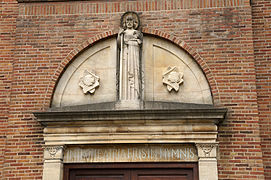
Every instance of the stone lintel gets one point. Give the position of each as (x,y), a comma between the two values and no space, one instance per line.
(130,153)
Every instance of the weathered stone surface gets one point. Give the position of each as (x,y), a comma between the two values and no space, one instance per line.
(52,170)
(100,60)
(157,56)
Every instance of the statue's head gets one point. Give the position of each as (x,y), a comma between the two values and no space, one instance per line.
(130,20)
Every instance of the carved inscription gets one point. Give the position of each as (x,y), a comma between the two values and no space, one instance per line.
(131,153)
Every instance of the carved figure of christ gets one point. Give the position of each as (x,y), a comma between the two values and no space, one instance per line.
(129,42)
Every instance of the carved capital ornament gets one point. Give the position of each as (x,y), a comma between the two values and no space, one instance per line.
(53,152)
(207,150)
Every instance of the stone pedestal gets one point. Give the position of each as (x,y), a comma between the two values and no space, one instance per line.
(207,161)
(129,104)
(53,163)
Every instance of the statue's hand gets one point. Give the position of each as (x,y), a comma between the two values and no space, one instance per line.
(139,41)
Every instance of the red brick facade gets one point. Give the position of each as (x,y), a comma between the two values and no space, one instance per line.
(261,23)
(230,39)
(8,15)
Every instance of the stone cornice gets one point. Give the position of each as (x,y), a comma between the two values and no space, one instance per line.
(208,115)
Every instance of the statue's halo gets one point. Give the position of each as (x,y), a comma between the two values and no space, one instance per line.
(135,16)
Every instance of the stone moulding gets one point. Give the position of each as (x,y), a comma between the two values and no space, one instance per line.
(192,125)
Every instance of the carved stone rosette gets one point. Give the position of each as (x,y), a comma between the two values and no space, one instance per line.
(172,78)
(89,82)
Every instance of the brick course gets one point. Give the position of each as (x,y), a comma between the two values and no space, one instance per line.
(224,37)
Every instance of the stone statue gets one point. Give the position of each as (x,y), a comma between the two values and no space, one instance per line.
(129,42)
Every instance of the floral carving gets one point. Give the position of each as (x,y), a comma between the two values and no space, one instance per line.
(172,78)
(89,82)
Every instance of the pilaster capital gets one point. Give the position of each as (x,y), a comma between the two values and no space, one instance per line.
(54,152)
(207,150)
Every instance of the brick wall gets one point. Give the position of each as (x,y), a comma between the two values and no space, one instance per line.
(261,11)
(50,34)
(8,13)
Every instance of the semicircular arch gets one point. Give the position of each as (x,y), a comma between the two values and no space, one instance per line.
(173,39)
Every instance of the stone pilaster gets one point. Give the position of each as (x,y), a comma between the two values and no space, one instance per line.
(53,163)
(207,161)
